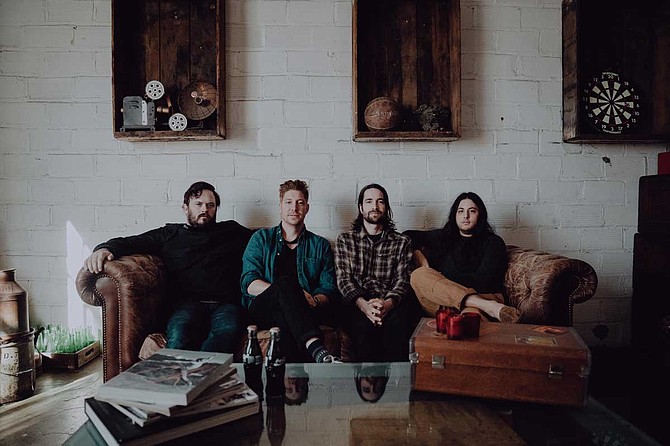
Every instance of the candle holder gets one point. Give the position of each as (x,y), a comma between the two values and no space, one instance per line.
(455,326)
(442,316)
(471,323)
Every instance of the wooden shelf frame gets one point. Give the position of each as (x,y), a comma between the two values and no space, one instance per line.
(409,51)
(630,38)
(175,42)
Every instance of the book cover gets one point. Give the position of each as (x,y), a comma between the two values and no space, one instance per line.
(229,383)
(168,377)
(140,418)
(239,398)
(238,395)
(116,429)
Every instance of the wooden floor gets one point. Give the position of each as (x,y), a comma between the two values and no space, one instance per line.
(54,412)
(50,379)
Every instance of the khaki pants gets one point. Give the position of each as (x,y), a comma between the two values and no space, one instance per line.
(432,289)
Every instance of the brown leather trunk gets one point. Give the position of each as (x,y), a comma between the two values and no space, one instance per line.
(519,362)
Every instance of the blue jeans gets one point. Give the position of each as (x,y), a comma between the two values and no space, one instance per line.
(210,327)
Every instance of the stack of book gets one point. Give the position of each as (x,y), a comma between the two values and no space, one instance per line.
(171,394)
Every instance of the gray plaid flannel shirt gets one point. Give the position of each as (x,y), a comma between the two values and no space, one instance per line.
(366,269)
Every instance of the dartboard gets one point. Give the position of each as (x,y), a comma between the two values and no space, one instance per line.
(611,104)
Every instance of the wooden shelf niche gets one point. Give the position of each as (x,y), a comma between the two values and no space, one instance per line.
(176,42)
(628,38)
(409,51)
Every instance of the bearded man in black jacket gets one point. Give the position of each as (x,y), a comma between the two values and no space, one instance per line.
(203,260)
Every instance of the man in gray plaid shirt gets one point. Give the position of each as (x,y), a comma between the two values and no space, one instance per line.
(372,265)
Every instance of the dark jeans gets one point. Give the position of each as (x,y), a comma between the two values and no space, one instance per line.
(209,327)
(283,305)
(387,343)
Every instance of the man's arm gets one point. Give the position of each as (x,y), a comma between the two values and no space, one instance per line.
(147,243)
(401,286)
(425,241)
(327,286)
(419,258)
(253,280)
(95,263)
(346,282)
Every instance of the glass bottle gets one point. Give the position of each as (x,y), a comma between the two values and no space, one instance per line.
(275,368)
(275,422)
(252,358)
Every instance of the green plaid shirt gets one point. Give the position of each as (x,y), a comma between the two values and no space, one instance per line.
(370,269)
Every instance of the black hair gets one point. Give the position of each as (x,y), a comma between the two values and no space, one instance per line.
(378,375)
(451,231)
(302,387)
(195,190)
(387,222)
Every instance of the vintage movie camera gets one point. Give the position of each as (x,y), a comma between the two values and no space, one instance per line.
(196,101)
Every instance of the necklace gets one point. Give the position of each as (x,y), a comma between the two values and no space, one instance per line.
(291,242)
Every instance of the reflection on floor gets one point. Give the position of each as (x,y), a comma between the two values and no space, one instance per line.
(635,387)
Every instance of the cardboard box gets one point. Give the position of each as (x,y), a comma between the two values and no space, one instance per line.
(518,362)
(71,360)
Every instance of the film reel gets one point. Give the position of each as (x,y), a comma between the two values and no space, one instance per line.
(154,90)
(198,100)
(177,122)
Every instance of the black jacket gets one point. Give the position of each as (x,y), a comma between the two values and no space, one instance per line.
(202,263)
(478,262)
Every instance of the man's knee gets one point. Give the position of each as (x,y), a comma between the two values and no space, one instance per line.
(227,320)
(285,283)
(397,317)
(290,294)
(423,280)
(181,337)
(423,273)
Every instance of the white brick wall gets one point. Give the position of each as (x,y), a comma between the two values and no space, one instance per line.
(66,184)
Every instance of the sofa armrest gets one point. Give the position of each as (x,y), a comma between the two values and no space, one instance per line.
(130,291)
(546,286)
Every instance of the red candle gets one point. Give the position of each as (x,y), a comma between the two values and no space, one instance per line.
(471,322)
(455,326)
(441,320)
(441,317)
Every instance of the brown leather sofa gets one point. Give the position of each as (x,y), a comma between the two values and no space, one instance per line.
(130,292)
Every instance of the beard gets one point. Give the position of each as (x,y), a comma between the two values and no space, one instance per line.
(193,219)
(376,218)
(466,231)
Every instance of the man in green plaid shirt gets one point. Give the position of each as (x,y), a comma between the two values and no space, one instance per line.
(372,265)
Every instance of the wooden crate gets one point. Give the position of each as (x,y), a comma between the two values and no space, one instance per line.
(629,38)
(409,51)
(176,42)
(71,360)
